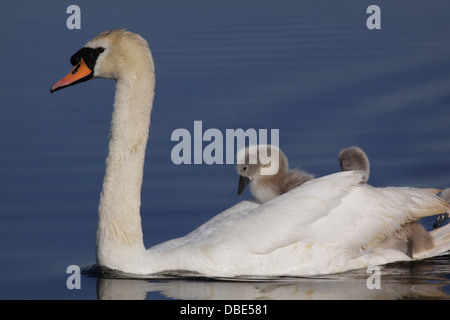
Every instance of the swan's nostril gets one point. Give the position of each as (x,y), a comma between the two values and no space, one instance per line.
(76,68)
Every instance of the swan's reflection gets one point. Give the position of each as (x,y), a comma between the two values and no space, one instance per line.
(299,290)
(419,280)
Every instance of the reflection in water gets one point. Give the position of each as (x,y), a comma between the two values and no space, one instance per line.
(398,281)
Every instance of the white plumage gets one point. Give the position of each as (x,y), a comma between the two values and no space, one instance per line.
(326,225)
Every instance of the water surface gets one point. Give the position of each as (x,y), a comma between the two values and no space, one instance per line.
(311,69)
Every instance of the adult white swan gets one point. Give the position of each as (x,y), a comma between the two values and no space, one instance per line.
(327,225)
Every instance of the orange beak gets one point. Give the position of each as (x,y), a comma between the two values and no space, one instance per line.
(80,73)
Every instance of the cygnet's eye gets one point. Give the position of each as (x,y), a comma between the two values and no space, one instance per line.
(244,168)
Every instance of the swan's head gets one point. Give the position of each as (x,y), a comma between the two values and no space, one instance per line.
(257,163)
(113,54)
(354,158)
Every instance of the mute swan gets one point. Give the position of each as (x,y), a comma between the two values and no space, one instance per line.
(266,187)
(412,238)
(327,225)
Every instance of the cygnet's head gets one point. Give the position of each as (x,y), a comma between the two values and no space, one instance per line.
(259,162)
(354,158)
(112,54)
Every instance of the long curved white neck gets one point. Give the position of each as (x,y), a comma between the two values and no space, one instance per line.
(119,232)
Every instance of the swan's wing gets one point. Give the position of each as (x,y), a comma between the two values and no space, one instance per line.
(223,218)
(335,210)
(276,223)
(287,218)
(368,215)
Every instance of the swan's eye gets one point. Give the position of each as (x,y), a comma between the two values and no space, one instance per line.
(100,49)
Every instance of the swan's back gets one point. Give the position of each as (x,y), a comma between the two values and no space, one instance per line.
(326,225)
(338,209)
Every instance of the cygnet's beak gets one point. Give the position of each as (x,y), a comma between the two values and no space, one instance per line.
(243,182)
(439,221)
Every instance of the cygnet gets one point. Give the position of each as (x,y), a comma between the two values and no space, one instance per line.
(264,186)
(354,158)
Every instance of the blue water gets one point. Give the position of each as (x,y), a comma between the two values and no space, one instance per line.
(311,69)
